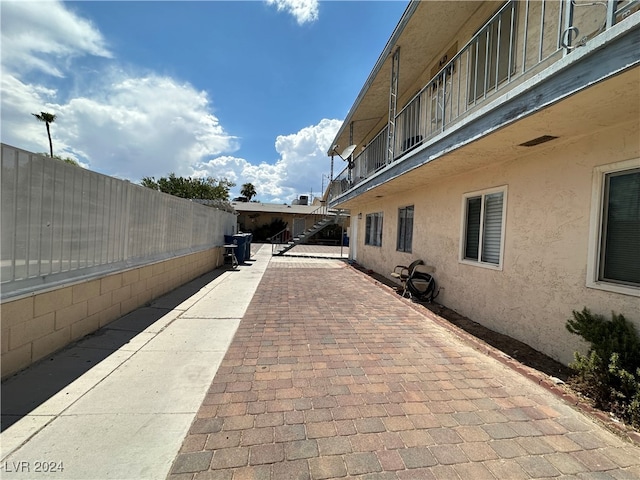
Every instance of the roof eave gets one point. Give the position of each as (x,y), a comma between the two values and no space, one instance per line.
(388,48)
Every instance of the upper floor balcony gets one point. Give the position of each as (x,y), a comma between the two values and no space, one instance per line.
(444,68)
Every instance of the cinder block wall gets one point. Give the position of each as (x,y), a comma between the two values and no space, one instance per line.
(35,326)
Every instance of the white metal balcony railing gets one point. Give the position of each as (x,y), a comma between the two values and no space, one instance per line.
(518,41)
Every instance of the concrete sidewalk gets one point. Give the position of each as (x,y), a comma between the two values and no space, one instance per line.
(117,404)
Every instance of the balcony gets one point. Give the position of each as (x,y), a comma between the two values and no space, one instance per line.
(511,49)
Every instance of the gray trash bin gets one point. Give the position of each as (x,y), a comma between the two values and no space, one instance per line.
(240,240)
(247,246)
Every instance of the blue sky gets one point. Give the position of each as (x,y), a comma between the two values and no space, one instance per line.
(252,91)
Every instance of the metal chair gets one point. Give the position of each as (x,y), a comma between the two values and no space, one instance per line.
(403,272)
(421,285)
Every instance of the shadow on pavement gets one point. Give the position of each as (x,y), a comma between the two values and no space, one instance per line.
(31,387)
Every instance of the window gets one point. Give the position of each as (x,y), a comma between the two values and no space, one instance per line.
(483,227)
(615,243)
(373,233)
(405,229)
(490,54)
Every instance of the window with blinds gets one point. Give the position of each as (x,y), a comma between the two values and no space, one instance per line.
(484,218)
(620,237)
(373,229)
(405,229)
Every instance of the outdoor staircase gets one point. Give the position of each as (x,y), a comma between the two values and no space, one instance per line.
(280,245)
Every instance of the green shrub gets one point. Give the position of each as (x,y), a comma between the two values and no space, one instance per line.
(609,373)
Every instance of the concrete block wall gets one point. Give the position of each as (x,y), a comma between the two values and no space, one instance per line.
(42,323)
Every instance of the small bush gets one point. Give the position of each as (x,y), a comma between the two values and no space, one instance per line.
(609,373)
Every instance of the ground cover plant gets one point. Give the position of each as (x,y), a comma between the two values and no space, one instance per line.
(609,373)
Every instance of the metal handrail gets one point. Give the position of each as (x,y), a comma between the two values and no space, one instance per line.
(373,157)
(470,79)
(280,238)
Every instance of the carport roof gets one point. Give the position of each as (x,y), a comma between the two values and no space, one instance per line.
(273,208)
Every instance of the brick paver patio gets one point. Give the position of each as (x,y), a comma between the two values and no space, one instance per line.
(333,376)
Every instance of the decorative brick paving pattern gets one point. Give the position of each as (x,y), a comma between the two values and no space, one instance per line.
(331,375)
(192,462)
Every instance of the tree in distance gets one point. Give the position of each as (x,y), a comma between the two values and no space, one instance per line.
(68,160)
(191,188)
(48,119)
(248,191)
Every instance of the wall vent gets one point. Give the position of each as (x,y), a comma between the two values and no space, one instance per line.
(538,141)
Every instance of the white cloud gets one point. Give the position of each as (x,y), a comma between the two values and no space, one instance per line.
(41,35)
(19,100)
(129,127)
(159,126)
(131,124)
(302,10)
(302,162)
(124,124)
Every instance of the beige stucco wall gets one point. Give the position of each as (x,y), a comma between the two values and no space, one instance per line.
(544,271)
(39,324)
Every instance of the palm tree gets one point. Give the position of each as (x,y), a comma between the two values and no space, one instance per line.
(47,118)
(248,191)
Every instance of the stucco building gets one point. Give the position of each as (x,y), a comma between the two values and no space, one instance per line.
(500,143)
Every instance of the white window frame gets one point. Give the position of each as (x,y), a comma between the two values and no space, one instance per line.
(375,237)
(463,227)
(404,248)
(595,228)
